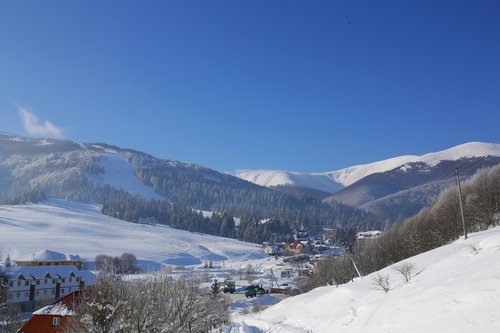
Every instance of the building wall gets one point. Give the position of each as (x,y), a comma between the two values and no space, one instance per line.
(76,263)
(18,291)
(43,324)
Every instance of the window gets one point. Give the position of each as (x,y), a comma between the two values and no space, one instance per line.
(18,283)
(18,294)
(77,279)
(62,291)
(26,294)
(11,284)
(37,282)
(70,280)
(53,280)
(64,280)
(26,283)
(52,291)
(56,321)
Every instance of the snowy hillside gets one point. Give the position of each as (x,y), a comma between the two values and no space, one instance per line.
(81,229)
(335,180)
(321,182)
(119,173)
(455,289)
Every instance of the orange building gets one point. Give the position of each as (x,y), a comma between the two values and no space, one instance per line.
(50,258)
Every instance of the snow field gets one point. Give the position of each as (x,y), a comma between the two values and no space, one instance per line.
(73,228)
(456,288)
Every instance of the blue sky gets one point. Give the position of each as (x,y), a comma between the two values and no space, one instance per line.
(295,85)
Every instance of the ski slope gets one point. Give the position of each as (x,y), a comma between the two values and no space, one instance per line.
(456,289)
(119,173)
(74,228)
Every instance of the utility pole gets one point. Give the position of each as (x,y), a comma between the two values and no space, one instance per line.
(461,205)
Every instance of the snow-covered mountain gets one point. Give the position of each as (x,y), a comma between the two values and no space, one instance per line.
(333,181)
(271,178)
(84,172)
(454,289)
(398,187)
(121,179)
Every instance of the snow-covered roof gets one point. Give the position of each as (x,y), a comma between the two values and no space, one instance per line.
(54,309)
(49,255)
(369,234)
(40,272)
(88,277)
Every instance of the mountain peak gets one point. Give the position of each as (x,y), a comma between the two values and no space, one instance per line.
(334,180)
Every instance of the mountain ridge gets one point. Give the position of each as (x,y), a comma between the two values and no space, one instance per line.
(139,187)
(333,181)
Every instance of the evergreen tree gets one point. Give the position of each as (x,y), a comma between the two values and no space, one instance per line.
(215,287)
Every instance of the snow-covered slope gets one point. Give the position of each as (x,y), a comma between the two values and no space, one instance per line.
(119,173)
(81,229)
(456,289)
(321,182)
(352,174)
(335,180)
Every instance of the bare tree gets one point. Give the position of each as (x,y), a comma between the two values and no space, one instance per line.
(147,308)
(101,308)
(381,282)
(128,263)
(194,310)
(153,304)
(10,316)
(407,270)
(103,262)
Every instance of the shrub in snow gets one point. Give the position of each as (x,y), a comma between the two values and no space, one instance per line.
(407,270)
(381,282)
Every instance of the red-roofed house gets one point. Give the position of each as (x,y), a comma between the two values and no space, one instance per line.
(51,319)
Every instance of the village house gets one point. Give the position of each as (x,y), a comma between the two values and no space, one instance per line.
(274,249)
(300,243)
(51,318)
(298,247)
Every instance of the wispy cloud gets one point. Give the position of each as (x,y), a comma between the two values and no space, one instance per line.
(36,127)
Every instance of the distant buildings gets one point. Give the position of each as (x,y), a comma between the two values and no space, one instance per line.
(369,234)
(50,258)
(44,279)
(365,238)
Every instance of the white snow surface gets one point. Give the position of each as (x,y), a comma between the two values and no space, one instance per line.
(81,229)
(322,182)
(119,173)
(54,309)
(456,288)
(333,181)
